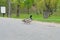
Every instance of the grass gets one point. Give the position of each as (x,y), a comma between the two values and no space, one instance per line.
(53,18)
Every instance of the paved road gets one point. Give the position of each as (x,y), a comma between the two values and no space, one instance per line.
(15,29)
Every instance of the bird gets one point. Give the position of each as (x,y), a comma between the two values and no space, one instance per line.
(28,20)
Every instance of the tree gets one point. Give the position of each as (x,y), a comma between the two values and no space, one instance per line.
(50,5)
(9,8)
(28,4)
(18,8)
(39,6)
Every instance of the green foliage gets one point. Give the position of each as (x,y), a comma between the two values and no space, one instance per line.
(28,3)
(3,2)
(39,4)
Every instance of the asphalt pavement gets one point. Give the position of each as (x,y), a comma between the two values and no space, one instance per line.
(15,29)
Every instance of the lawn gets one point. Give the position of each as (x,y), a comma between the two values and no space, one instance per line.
(52,18)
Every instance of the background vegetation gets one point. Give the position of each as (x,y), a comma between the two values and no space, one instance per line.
(42,10)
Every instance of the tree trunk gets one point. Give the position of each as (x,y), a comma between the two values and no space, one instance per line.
(18,8)
(28,10)
(0,9)
(9,8)
(46,14)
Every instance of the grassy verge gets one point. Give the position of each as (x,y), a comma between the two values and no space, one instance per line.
(53,18)
(39,17)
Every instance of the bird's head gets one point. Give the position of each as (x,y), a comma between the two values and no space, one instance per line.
(31,16)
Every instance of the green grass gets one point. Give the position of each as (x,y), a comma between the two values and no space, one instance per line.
(52,18)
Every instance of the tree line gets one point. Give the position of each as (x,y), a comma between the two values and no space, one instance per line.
(45,7)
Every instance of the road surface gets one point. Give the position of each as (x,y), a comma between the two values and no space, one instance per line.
(15,29)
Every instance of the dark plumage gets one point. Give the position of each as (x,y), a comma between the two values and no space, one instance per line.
(31,17)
